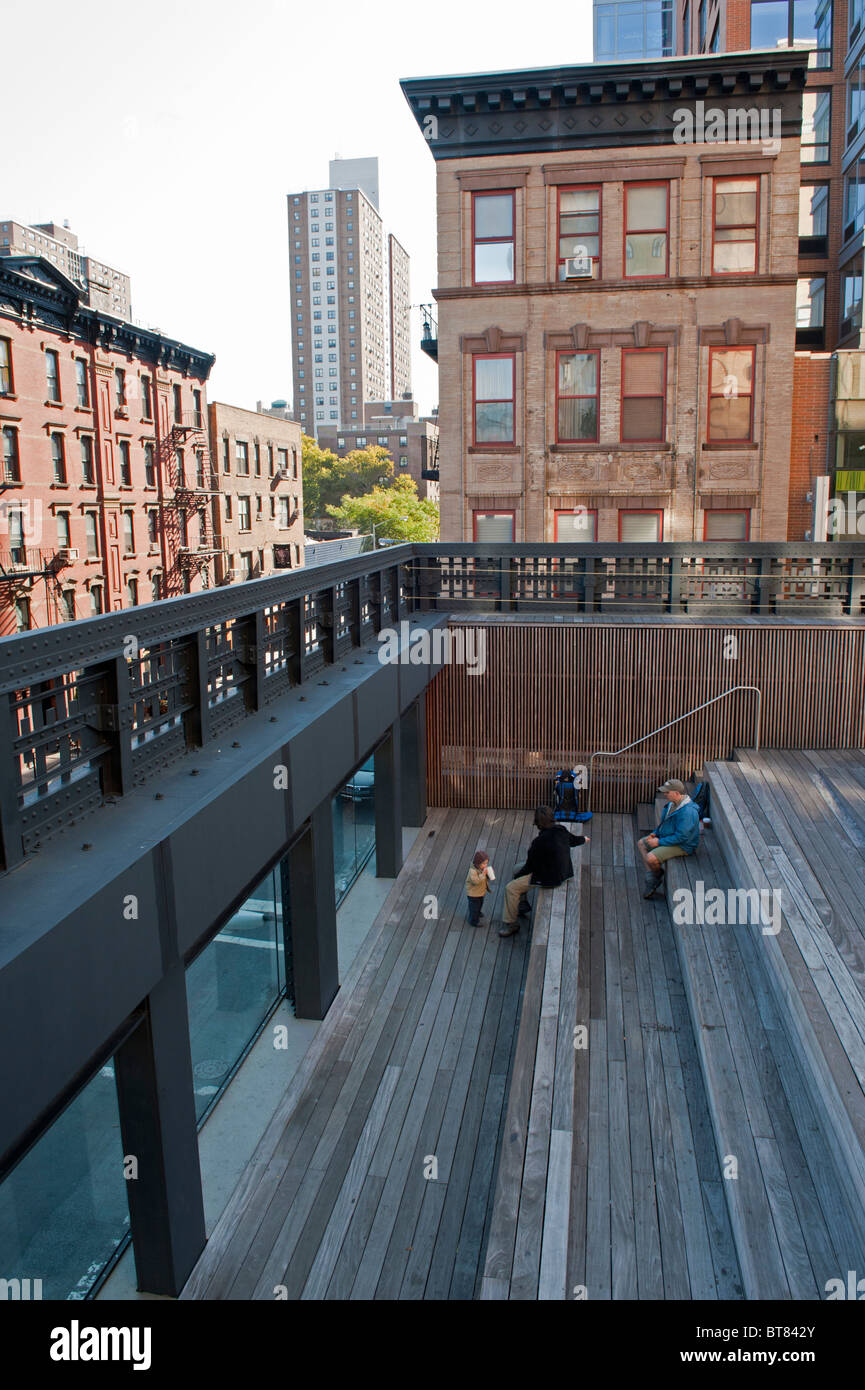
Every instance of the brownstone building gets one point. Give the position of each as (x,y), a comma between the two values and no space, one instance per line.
(260,503)
(105,458)
(616,307)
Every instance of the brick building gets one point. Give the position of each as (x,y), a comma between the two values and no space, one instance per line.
(106,466)
(616,310)
(831,35)
(260,504)
(411,441)
(350,296)
(102,286)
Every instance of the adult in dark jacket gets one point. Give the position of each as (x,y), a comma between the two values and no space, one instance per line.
(548,863)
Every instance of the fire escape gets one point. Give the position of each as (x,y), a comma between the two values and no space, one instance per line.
(22,566)
(189,488)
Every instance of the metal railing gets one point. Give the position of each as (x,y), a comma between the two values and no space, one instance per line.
(617,753)
(85,713)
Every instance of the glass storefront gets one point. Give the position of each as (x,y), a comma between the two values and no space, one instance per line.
(353,827)
(63,1210)
(232,986)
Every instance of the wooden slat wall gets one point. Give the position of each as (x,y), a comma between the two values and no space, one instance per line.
(551,696)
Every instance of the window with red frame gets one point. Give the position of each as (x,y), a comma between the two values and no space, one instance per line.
(493,526)
(577,388)
(725,525)
(644,395)
(493,238)
(579,524)
(579,226)
(494,398)
(731,394)
(734,240)
(641,527)
(647,225)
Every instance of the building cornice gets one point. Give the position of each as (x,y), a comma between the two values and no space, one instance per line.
(599,105)
(53,302)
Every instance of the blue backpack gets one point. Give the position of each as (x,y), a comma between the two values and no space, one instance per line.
(566,798)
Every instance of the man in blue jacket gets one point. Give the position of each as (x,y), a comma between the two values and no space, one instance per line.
(677,834)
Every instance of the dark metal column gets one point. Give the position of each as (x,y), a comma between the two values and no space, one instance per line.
(158,1129)
(388,806)
(313,916)
(412,733)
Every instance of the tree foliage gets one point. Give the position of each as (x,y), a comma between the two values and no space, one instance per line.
(327,478)
(396,512)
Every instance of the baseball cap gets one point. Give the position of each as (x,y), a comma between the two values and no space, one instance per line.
(673,785)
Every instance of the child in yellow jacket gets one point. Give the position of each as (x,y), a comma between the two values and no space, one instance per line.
(478,885)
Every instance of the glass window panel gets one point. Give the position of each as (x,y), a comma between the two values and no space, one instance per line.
(647,207)
(769,24)
(63,1209)
(494,378)
(816,108)
(578,374)
(576,526)
(642,527)
(805,21)
(494,423)
(494,261)
(734,254)
(810,302)
(642,418)
(353,827)
(735,202)
(643,374)
(731,368)
(726,526)
(578,418)
(494,215)
(813,210)
(576,245)
(494,526)
(579,200)
(646,254)
(231,987)
(730,418)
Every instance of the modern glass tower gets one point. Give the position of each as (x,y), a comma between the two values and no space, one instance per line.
(633,29)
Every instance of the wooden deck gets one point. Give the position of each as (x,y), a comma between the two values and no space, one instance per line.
(410,1065)
(608,1184)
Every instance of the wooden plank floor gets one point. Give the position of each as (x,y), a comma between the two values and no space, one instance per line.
(411,1065)
(648,1218)
(616,1190)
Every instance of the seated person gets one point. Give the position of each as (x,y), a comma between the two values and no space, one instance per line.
(548,863)
(677,834)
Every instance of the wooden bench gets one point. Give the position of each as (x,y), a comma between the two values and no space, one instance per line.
(792,1228)
(527,1249)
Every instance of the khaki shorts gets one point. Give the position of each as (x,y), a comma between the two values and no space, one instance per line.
(662,852)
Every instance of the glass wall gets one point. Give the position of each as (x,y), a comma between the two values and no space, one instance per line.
(232,986)
(63,1210)
(353,827)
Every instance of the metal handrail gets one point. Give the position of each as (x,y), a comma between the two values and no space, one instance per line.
(611,753)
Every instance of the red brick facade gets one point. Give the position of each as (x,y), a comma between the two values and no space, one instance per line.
(812,374)
(96,418)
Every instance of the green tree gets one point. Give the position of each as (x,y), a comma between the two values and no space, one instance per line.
(327,478)
(396,512)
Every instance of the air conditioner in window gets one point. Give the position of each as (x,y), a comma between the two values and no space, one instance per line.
(578,267)
(65,553)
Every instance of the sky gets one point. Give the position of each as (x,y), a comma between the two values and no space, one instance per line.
(170,134)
